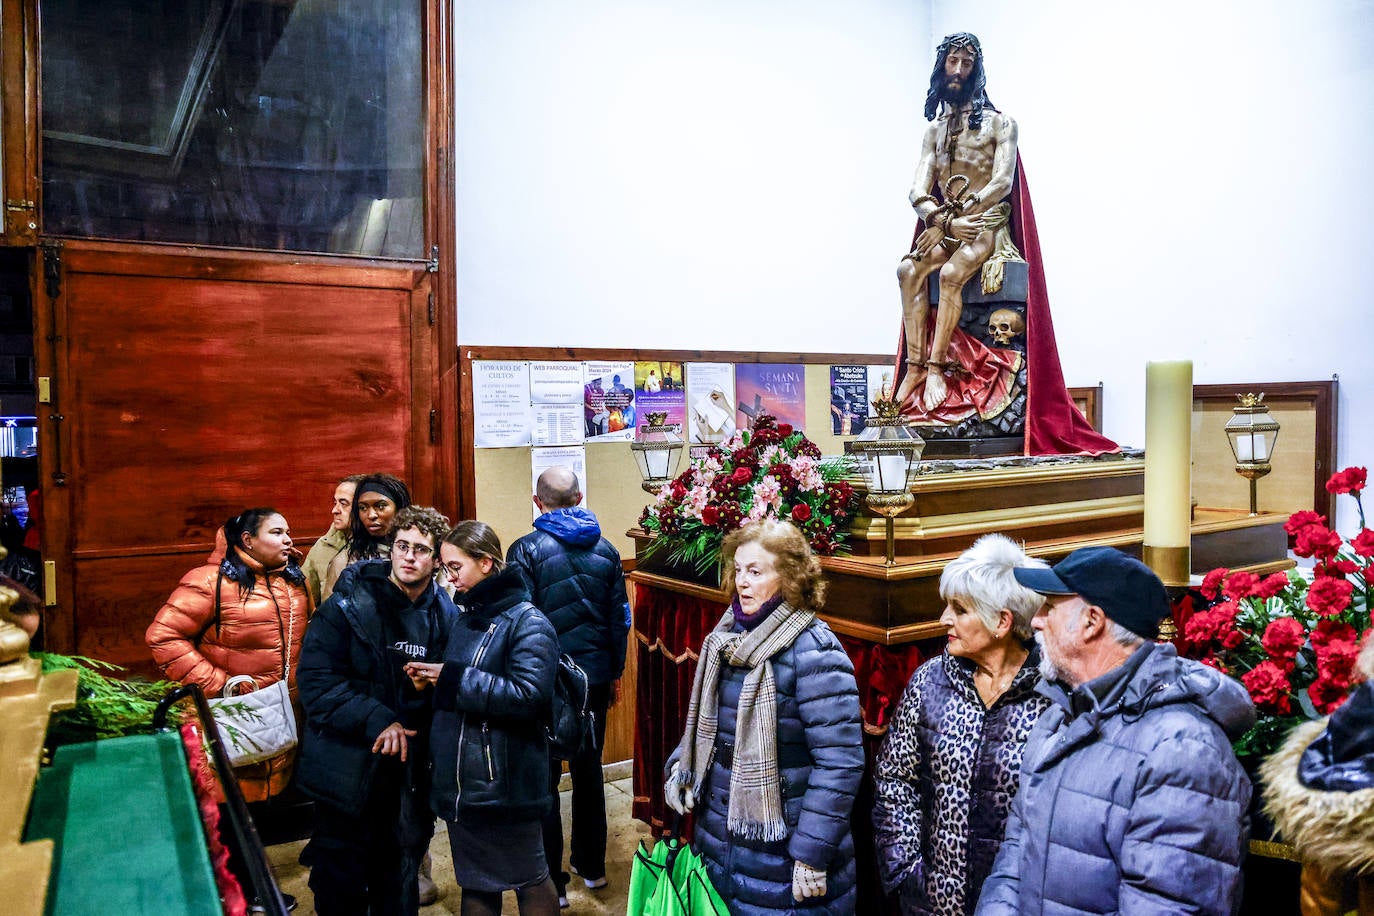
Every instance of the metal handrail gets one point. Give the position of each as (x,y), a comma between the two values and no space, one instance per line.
(254,854)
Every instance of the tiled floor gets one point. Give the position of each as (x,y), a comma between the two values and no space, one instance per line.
(625,834)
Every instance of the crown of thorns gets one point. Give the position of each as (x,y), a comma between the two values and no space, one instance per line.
(957,42)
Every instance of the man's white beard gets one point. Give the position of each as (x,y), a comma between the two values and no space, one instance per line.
(1048,670)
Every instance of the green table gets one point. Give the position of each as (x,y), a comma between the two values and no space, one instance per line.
(128,835)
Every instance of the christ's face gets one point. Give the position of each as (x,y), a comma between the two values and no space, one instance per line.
(958,68)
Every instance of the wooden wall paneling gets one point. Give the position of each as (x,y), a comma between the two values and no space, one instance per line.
(195,385)
(19,110)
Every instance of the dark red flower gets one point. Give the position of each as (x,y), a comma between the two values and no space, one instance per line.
(1350,480)
(784,430)
(1317,541)
(710,515)
(1328,595)
(1211,583)
(1241,584)
(1364,543)
(1283,638)
(1300,520)
(1327,695)
(1268,686)
(801,512)
(741,475)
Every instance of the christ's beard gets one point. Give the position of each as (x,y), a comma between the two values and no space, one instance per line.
(956,93)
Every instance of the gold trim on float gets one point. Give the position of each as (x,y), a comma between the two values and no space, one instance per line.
(999,477)
(888,636)
(985,520)
(1171,564)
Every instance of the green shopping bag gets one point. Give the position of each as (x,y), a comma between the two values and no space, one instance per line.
(645,872)
(702,899)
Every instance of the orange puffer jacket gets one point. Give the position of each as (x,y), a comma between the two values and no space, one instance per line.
(252,630)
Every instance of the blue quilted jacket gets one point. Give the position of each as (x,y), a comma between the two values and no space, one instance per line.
(1138,806)
(821,760)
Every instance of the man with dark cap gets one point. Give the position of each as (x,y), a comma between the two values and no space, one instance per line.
(1131,799)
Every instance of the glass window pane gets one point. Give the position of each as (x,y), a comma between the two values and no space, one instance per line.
(291,125)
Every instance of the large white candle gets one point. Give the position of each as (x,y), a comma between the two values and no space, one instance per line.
(1168,453)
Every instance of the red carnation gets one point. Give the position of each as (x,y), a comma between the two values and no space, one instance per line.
(1327,694)
(801,512)
(1268,686)
(1350,480)
(1241,585)
(1300,520)
(1272,585)
(1327,632)
(1328,596)
(1283,638)
(1335,568)
(1364,543)
(1211,583)
(1317,541)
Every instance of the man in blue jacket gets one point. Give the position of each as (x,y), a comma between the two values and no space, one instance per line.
(363,749)
(574,576)
(1131,800)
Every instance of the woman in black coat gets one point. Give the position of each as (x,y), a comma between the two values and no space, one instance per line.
(772,755)
(492,694)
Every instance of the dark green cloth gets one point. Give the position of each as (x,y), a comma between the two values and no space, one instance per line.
(128,835)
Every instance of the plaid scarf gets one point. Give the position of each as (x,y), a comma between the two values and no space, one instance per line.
(755,786)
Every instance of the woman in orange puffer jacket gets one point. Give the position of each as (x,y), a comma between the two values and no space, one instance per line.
(255,628)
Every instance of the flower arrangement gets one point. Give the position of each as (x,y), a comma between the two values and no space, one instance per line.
(770,470)
(1291,641)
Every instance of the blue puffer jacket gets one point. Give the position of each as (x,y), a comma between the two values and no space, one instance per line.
(489,744)
(574,576)
(1138,806)
(944,782)
(820,759)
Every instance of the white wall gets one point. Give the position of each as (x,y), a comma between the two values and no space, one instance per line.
(725,174)
(716,174)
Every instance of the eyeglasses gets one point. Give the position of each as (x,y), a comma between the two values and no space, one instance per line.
(419,551)
(453,570)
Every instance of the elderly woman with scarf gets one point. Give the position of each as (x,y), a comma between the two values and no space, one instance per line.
(772,745)
(950,764)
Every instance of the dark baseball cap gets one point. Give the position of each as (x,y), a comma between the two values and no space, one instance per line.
(1126,589)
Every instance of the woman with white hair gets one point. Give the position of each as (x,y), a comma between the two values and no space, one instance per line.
(950,764)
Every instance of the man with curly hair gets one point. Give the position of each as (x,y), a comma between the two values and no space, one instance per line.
(364,747)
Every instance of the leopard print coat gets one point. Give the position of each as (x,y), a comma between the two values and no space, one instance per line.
(944,782)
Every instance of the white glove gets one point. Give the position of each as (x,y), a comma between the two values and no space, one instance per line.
(678,790)
(807,881)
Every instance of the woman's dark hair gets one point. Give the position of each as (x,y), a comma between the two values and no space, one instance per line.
(361,544)
(477,540)
(250,521)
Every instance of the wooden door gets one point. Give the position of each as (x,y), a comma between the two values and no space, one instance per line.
(18,108)
(189,385)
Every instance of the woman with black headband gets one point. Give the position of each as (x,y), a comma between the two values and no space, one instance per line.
(371,522)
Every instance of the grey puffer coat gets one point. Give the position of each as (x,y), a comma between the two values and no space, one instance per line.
(1138,806)
(820,759)
(944,782)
